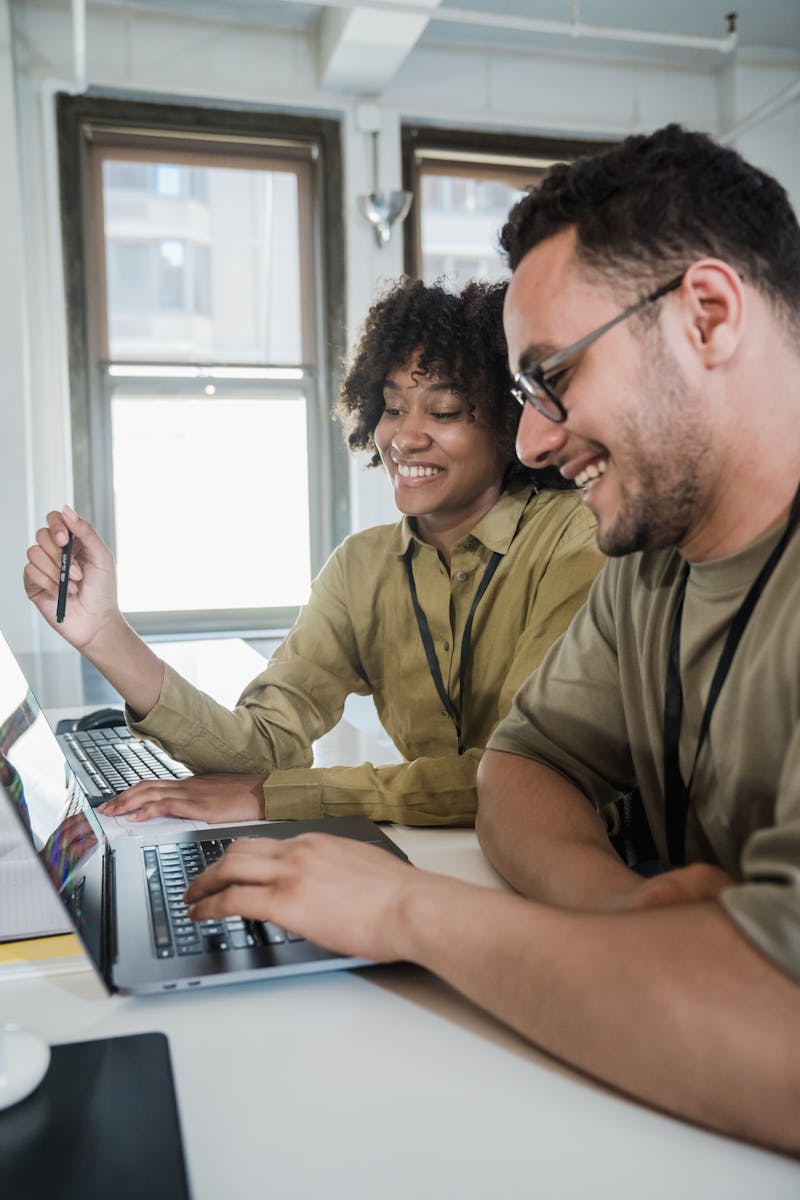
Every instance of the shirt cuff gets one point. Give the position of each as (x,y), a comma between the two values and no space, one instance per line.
(294,794)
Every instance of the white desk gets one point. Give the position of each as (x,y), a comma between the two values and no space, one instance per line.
(384,1083)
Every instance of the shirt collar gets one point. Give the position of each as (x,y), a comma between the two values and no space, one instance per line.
(495,530)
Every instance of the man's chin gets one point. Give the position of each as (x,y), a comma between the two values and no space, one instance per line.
(619,537)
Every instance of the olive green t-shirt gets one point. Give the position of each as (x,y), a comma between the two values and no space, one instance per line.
(595,712)
(358,634)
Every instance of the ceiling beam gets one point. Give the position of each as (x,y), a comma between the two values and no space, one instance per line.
(361,49)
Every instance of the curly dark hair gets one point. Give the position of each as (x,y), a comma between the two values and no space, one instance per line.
(646,208)
(459,337)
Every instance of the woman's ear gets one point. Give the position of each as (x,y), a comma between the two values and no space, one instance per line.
(713,295)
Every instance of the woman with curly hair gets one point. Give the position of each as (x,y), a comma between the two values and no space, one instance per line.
(439,617)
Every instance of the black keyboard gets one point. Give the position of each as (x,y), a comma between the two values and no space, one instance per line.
(169,870)
(115,759)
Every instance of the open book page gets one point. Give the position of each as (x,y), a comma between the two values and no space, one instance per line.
(28,905)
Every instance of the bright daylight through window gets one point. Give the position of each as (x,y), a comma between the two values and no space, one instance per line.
(203,266)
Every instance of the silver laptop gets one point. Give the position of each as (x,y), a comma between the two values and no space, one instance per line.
(124,899)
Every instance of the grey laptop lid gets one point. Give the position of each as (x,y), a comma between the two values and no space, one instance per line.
(104,887)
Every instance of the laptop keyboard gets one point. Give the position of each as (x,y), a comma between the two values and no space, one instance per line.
(115,759)
(169,869)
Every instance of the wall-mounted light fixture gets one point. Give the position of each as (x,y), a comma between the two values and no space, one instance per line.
(381,209)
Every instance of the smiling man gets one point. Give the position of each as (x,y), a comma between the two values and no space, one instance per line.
(652,325)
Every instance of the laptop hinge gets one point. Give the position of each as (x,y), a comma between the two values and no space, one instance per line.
(109,949)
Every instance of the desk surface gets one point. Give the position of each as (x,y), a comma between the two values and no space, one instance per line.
(384,1083)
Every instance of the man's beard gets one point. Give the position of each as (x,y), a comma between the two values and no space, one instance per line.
(664,446)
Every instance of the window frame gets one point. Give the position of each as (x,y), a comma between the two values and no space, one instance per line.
(317,141)
(490,154)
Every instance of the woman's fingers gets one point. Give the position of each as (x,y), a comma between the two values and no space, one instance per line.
(204,797)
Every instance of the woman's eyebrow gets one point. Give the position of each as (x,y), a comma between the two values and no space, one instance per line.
(437,385)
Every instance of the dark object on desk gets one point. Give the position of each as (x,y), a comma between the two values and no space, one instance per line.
(101,718)
(103,1122)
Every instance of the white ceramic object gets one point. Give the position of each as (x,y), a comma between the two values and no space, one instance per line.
(24,1058)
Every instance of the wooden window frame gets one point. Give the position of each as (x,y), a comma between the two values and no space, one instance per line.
(125,120)
(490,155)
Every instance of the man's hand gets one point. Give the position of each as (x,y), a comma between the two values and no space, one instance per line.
(340,893)
(684,885)
(202,798)
(92,590)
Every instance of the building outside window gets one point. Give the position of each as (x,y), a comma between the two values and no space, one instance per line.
(464,184)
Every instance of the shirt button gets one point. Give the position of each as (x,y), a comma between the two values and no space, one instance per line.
(447,645)
(461,576)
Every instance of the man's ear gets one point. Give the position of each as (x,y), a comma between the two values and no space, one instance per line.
(713,295)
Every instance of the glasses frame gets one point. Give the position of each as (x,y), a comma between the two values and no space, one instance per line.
(530,384)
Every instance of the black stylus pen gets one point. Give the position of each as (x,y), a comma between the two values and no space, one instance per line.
(63,580)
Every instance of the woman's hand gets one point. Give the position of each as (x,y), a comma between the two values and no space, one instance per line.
(92,589)
(212,798)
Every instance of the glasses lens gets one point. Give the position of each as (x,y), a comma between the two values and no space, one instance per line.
(538,395)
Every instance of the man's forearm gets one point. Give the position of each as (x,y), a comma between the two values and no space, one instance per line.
(672,1005)
(542,834)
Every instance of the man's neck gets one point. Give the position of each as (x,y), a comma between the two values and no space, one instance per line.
(737,520)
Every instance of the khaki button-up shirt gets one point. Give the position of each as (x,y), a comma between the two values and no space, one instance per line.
(358,633)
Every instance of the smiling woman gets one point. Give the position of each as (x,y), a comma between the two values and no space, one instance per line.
(439,617)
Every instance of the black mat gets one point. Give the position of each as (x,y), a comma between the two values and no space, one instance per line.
(102,1123)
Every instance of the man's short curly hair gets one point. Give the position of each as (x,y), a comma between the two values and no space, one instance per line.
(460,338)
(645,209)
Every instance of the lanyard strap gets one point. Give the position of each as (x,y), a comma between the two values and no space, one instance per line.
(427,640)
(676,792)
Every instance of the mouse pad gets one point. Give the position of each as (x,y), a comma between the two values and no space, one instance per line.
(103,1122)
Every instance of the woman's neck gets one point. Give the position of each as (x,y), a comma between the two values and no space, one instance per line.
(444,533)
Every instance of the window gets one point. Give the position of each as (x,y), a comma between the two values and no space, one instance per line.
(464,185)
(200,305)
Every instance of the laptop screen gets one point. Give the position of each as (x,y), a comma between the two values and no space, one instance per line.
(41,786)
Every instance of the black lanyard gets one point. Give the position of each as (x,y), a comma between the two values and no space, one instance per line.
(427,640)
(676,792)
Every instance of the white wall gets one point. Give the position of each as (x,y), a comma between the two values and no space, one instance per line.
(166,56)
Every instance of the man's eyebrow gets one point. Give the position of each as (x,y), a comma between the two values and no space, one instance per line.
(533,355)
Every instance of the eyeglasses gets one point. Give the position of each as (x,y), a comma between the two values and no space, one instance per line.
(538,385)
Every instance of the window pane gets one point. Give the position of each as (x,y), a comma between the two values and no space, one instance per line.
(202,263)
(211,502)
(460,220)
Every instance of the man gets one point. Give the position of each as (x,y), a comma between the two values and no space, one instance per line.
(652,324)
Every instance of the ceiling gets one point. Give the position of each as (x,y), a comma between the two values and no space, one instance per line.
(363,44)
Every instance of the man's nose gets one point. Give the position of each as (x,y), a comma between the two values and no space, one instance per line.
(539,441)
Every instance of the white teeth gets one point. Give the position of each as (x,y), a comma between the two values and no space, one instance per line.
(416,472)
(593,471)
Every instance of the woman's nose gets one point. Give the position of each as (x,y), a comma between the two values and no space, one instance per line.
(411,434)
(539,440)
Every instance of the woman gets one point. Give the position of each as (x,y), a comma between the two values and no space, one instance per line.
(440,617)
